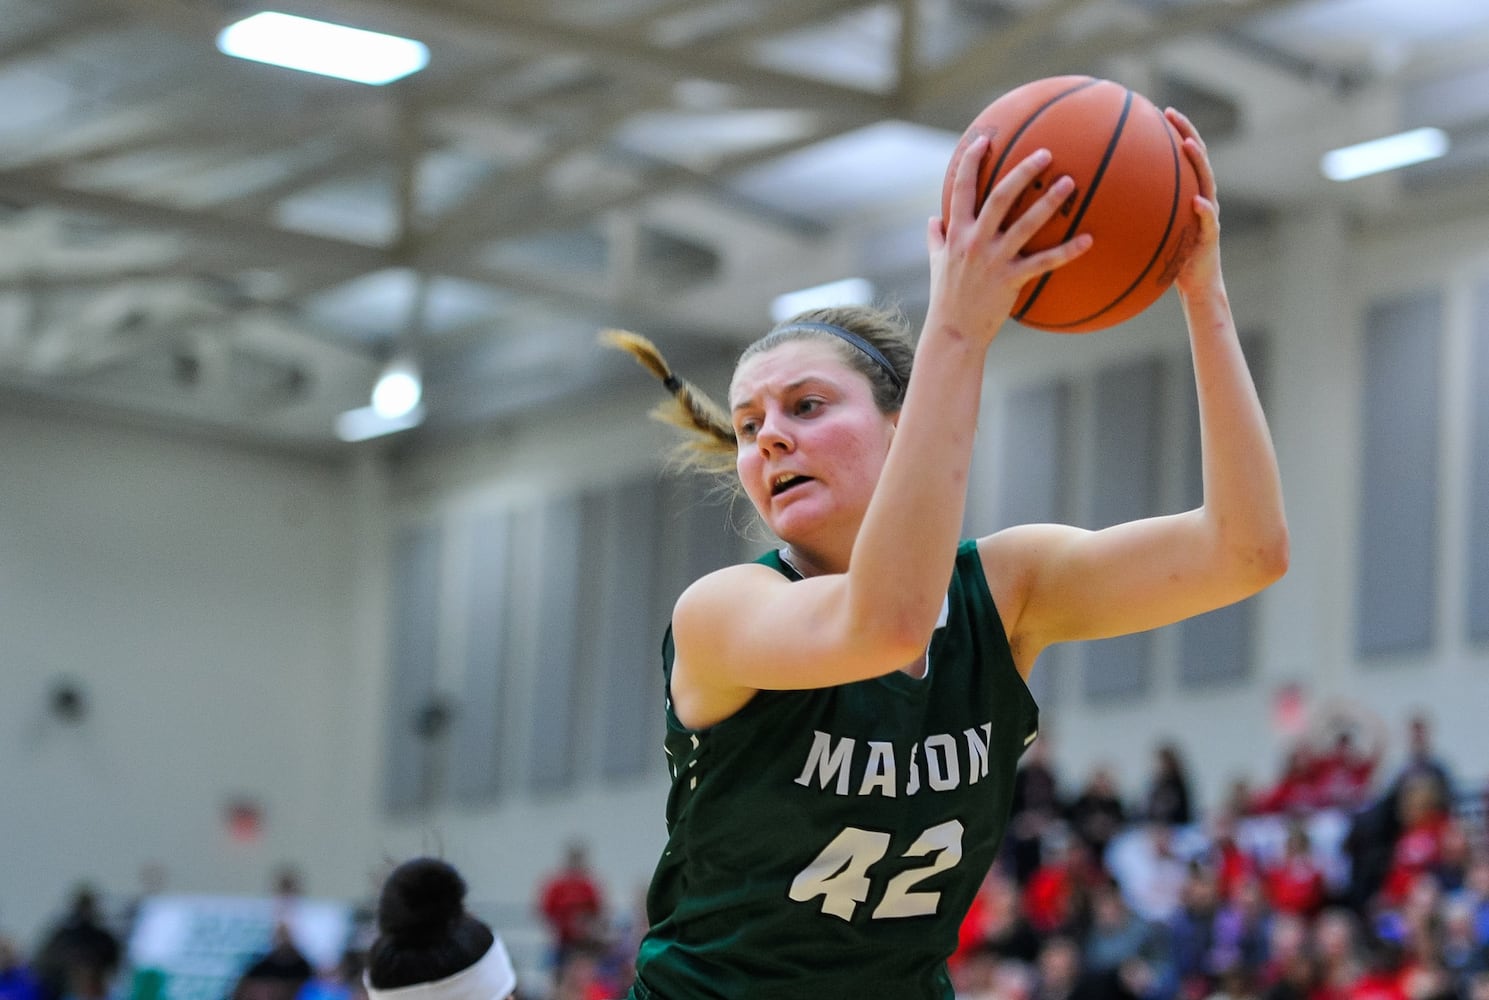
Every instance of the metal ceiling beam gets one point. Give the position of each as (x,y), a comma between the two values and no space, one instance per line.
(256,241)
(907,54)
(56,34)
(634,56)
(268,246)
(784,18)
(539,217)
(1000,62)
(977,68)
(479,213)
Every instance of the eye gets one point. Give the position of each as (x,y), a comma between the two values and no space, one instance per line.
(808,405)
(745,429)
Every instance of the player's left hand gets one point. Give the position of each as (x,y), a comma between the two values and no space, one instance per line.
(1202,269)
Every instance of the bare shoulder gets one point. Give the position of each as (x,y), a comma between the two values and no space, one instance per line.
(1011,561)
(1012,557)
(718,592)
(708,614)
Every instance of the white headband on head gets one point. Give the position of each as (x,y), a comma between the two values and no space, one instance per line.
(491,978)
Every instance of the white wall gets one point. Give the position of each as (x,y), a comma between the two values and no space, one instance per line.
(199,595)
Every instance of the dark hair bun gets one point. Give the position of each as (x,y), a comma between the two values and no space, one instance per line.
(421,900)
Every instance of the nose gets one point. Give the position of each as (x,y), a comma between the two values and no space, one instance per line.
(773,436)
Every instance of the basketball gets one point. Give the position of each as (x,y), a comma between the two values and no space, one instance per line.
(1134,193)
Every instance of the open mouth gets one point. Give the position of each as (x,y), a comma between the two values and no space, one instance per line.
(787,481)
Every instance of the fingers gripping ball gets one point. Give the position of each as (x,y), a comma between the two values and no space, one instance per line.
(1134,193)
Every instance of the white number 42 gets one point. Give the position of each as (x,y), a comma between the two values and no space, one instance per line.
(839,874)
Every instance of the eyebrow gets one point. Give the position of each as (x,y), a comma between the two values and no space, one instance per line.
(791,386)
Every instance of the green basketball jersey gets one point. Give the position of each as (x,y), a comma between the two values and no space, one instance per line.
(826,843)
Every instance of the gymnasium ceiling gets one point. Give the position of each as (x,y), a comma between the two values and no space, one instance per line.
(201,243)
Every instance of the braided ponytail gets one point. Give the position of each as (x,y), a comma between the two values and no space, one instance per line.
(710,445)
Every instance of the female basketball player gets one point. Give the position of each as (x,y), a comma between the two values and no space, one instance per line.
(844,715)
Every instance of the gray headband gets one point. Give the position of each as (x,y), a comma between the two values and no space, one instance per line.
(850,337)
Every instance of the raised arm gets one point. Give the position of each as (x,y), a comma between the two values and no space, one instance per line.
(1057,583)
(872,604)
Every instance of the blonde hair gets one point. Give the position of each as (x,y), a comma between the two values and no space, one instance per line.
(709,444)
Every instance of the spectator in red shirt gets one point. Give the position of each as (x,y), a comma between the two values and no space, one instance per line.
(571,903)
(1232,863)
(995,924)
(1418,850)
(1346,766)
(1296,884)
(1057,898)
(1336,947)
(1296,791)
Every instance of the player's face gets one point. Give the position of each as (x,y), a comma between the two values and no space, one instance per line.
(811,440)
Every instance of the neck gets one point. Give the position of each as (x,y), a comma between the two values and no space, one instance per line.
(804,564)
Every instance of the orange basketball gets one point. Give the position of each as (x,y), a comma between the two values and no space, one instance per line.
(1134,193)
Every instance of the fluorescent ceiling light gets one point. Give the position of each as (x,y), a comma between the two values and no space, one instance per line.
(365,422)
(398,389)
(324,48)
(1379,155)
(847,292)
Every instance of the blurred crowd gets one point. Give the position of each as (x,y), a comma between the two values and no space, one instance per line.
(1331,881)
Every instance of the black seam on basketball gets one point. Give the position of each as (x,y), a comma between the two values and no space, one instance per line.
(1106,159)
(1173,215)
(992,177)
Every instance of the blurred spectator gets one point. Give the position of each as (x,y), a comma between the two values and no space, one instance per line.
(1191,937)
(578,976)
(1060,975)
(1232,863)
(1353,744)
(1057,896)
(1289,972)
(1097,814)
(1234,983)
(1475,892)
(1117,936)
(287,886)
(1345,774)
(1424,821)
(571,903)
(1336,944)
(1382,974)
(1455,856)
(1169,796)
(976,976)
(17,982)
(1296,789)
(989,976)
(1240,797)
(996,924)
(1464,954)
(1150,871)
(1242,938)
(1368,845)
(1037,804)
(342,981)
(1416,932)
(278,974)
(1295,883)
(79,954)
(1422,760)
(618,964)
